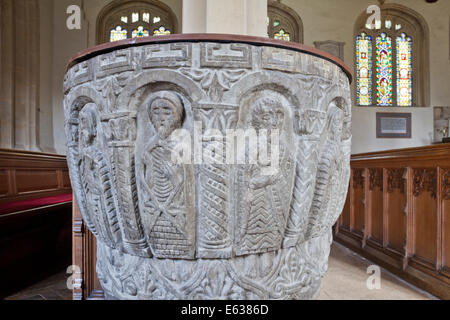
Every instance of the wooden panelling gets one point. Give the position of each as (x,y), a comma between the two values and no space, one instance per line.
(84,257)
(357,201)
(406,216)
(345,224)
(395,210)
(25,175)
(4,176)
(66,179)
(36,180)
(425,217)
(34,243)
(375,206)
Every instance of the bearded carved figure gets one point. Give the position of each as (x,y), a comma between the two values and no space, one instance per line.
(162,183)
(171,227)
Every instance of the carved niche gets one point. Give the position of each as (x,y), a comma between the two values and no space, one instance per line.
(176,227)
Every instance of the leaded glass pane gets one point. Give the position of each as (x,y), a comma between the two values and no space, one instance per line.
(135,17)
(404,70)
(117,34)
(282,35)
(146,17)
(388,24)
(140,32)
(161,32)
(364,70)
(384,70)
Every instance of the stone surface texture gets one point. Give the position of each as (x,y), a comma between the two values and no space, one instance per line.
(208,230)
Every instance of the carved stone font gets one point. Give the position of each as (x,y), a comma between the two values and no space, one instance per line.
(203,225)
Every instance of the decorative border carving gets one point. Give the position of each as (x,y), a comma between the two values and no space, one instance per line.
(358,177)
(114,62)
(375,178)
(395,180)
(241,57)
(424,179)
(446,184)
(169,55)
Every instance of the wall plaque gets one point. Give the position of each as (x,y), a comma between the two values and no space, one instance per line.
(393,125)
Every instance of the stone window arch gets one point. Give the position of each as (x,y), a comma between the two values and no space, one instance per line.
(134,18)
(392,59)
(283,23)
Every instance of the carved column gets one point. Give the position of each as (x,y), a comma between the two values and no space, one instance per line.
(212,224)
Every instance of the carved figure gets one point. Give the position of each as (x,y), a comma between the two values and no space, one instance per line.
(163,183)
(96,178)
(268,193)
(329,172)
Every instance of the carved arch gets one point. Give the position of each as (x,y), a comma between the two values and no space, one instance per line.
(161,76)
(110,16)
(256,81)
(415,26)
(282,17)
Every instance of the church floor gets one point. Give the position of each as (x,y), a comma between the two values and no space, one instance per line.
(347,276)
(346,279)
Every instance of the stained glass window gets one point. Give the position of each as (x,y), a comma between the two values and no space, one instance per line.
(140,32)
(397,72)
(283,23)
(118,34)
(364,69)
(135,19)
(384,70)
(404,70)
(161,32)
(146,17)
(282,35)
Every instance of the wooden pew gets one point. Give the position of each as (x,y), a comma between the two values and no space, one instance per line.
(35,218)
(397,214)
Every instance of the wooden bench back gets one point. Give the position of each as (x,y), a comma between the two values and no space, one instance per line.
(27,175)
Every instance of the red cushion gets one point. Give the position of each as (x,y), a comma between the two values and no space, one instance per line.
(34,203)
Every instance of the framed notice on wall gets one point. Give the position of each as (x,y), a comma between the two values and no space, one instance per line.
(393,125)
